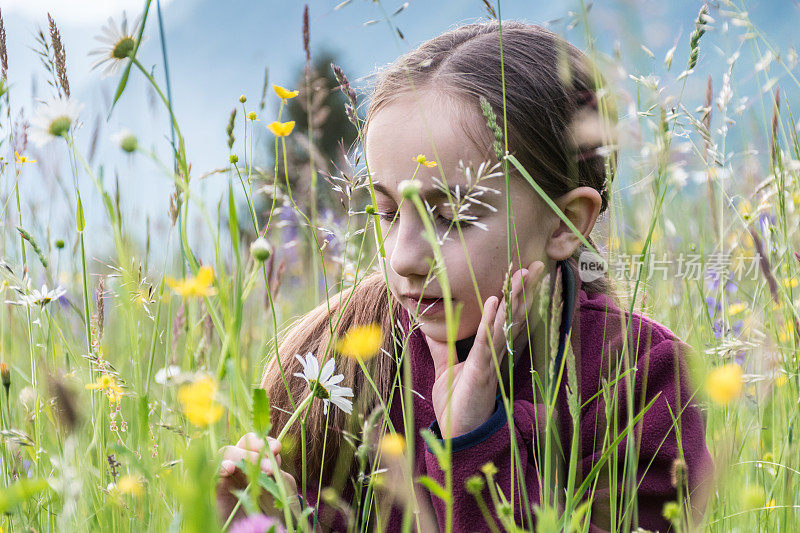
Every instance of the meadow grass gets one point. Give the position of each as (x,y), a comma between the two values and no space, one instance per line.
(120,387)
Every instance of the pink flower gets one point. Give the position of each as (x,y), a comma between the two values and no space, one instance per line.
(257,523)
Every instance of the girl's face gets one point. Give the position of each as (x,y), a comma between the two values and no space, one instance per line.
(431,124)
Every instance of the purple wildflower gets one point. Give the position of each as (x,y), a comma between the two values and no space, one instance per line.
(714,306)
(721,329)
(718,328)
(765,220)
(731,287)
(713,279)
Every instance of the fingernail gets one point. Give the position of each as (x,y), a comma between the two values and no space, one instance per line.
(524,274)
(227,468)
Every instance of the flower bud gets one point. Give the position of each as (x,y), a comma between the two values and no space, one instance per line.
(5,375)
(243,99)
(261,249)
(234,159)
(129,143)
(672,512)
(370,209)
(126,141)
(59,243)
(408,189)
(489,469)
(475,484)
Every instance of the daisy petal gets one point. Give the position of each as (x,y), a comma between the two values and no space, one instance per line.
(327,371)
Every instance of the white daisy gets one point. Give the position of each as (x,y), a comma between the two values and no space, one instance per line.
(126,140)
(41,297)
(323,383)
(53,119)
(119,43)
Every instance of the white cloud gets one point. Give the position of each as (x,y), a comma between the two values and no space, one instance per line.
(76,12)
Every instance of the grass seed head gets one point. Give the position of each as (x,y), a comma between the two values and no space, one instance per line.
(66,405)
(231,125)
(306,33)
(60,56)
(3,51)
(694,39)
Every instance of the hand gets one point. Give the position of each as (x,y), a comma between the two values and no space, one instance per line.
(474,382)
(232,478)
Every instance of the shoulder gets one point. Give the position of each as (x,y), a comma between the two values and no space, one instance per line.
(607,332)
(600,312)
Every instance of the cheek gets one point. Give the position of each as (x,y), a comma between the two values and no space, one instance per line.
(487,256)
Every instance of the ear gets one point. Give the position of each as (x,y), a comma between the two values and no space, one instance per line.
(582,207)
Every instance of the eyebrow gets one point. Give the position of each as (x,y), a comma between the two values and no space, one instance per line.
(429,193)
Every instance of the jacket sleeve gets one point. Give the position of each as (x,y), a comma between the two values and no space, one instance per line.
(489,443)
(661,376)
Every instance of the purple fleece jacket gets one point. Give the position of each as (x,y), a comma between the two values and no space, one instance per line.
(597,336)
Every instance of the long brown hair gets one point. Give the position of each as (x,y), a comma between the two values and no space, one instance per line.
(365,303)
(551,95)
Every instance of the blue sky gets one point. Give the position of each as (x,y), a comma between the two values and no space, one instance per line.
(218,50)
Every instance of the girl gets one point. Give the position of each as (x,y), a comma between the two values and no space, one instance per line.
(435,100)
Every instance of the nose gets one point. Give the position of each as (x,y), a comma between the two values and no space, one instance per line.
(411,254)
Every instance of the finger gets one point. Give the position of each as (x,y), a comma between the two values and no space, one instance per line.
(290,483)
(291,489)
(518,281)
(524,291)
(523,306)
(535,274)
(517,284)
(227,468)
(274,445)
(236,454)
(275,448)
(498,334)
(533,279)
(254,443)
(480,353)
(251,441)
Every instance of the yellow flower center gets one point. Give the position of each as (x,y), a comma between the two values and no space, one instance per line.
(318,390)
(60,126)
(123,48)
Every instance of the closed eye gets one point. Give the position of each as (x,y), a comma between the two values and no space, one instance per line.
(390,216)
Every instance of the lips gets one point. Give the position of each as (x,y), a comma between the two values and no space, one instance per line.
(425,305)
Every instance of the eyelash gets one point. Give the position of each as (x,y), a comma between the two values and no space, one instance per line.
(390,216)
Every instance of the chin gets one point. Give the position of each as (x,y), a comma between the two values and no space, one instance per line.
(437,329)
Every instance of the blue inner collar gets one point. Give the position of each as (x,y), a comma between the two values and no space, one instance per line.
(569,292)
